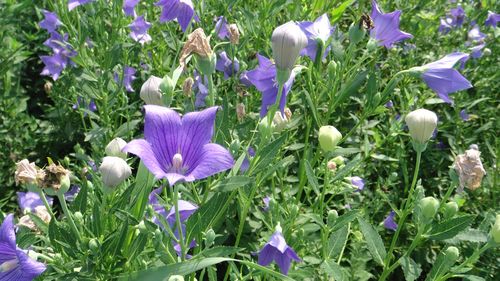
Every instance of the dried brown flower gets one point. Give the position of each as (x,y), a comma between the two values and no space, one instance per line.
(197,43)
(234,34)
(41,212)
(469,168)
(27,172)
(187,87)
(54,176)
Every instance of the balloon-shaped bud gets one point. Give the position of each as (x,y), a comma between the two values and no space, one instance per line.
(421,123)
(329,137)
(114,170)
(287,41)
(429,206)
(150,91)
(450,209)
(114,148)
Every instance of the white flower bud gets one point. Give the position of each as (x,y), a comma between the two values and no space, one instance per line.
(279,122)
(421,123)
(150,91)
(329,137)
(114,170)
(114,148)
(287,42)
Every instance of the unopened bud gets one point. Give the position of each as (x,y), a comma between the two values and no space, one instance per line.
(429,206)
(47,87)
(332,69)
(167,87)
(279,122)
(150,91)
(94,245)
(486,51)
(114,170)
(288,113)
(331,165)
(234,34)
(329,137)
(332,217)
(78,217)
(114,148)
(450,209)
(187,87)
(176,278)
(421,123)
(339,160)
(210,238)
(287,41)
(240,111)
(452,254)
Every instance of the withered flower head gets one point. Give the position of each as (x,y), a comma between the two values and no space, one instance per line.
(469,168)
(41,212)
(234,34)
(240,111)
(56,176)
(197,43)
(187,87)
(27,172)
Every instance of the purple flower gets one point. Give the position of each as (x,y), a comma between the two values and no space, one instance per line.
(59,45)
(492,20)
(358,182)
(445,25)
(389,104)
(80,103)
(476,51)
(128,78)
(128,7)
(54,65)
(15,263)
(464,115)
(264,79)
(28,201)
(71,194)
(246,162)
(182,10)
(441,77)
(389,222)
(386,30)
(200,87)
(139,30)
(244,79)
(221,28)
(277,249)
(179,149)
(266,201)
(75,3)
(186,209)
(50,22)
(320,29)
(475,35)
(226,65)
(458,16)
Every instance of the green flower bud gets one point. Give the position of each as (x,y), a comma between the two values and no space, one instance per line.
(332,217)
(210,237)
(339,160)
(452,253)
(495,230)
(142,227)
(94,245)
(206,65)
(287,41)
(150,90)
(429,206)
(329,136)
(332,69)
(372,45)
(167,87)
(450,209)
(78,217)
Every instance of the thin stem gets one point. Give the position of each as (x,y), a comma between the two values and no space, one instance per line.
(406,212)
(345,244)
(470,259)
(211,92)
(323,191)
(46,203)
(68,215)
(178,222)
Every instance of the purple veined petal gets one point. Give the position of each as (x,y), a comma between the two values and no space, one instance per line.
(28,201)
(71,194)
(28,267)
(221,28)
(447,61)
(128,7)
(292,254)
(182,10)
(445,81)
(186,14)
(266,255)
(283,262)
(476,51)
(186,209)
(358,182)
(320,29)
(7,239)
(386,27)
(139,30)
(75,3)
(389,222)
(458,15)
(492,19)
(51,22)
(475,34)
(278,241)
(212,160)
(143,150)
(197,130)
(54,65)
(244,79)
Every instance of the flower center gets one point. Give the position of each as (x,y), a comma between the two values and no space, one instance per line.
(177,163)
(8,265)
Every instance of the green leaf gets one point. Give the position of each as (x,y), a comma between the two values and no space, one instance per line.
(441,266)
(233,183)
(344,220)
(220,251)
(337,241)
(265,156)
(411,269)
(450,228)
(311,177)
(126,127)
(337,12)
(472,235)
(206,216)
(373,240)
(334,270)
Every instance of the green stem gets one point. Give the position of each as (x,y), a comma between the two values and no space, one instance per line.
(345,244)
(211,91)
(46,203)
(68,215)
(406,212)
(178,222)
(471,259)
(323,191)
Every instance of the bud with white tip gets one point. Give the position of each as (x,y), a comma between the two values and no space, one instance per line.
(234,34)
(287,42)
(114,148)
(421,123)
(114,170)
(150,91)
